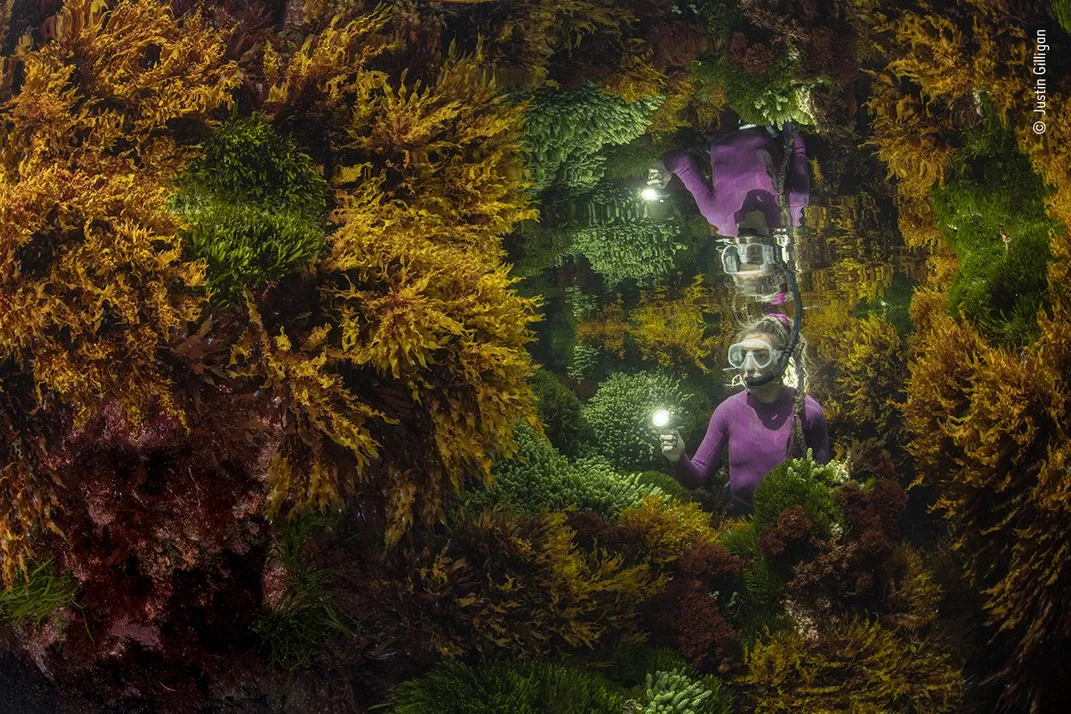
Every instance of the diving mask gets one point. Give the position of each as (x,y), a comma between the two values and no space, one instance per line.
(753,354)
(739,258)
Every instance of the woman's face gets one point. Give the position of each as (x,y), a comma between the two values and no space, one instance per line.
(758,355)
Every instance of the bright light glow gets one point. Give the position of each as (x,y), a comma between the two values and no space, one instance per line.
(649,194)
(660,418)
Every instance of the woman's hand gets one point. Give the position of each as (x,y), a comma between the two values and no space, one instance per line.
(672,446)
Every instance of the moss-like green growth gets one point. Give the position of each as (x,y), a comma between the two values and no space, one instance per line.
(628,664)
(1061,12)
(559,410)
(36,594)
(532,687)
(619,415)
(257,208)
(304,616)
(799,482)
(518,687)
(246,246)
(539,477)
(991,191)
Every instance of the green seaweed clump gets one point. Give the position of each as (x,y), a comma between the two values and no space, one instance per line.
(757,607)
(36,594)
(770,97)
(667,484)
(619,415)
(585,364)
(799,482)
(301,613)
(257,208)
(675,692)
(559,410)
(539,477)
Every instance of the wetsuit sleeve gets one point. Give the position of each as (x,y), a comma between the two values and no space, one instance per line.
(693,472)
(798,182)
(684,166)
(814,428)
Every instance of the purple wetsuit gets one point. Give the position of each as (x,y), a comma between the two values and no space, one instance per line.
(757,436)
(742,180)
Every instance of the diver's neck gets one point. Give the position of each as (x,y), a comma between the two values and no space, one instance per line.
(767,393)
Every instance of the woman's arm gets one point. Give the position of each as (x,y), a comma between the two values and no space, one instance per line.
(693,472)
(798,182)
(685,167)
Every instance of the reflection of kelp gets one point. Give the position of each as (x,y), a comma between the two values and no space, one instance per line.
(849,280)
(993,193)
(621,236)
(564,131)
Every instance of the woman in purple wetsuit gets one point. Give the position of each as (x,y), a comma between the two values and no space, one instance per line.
(761,426)
(741,200)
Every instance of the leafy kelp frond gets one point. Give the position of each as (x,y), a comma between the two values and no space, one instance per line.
(671,330)
(911,138)
(333,61)
(413,301)
(323,410)
(527,36)
(606,328)
(134,69)
(989,430)
(851,666)
(619,415)
(512,583)
(669,529)
(92,275)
